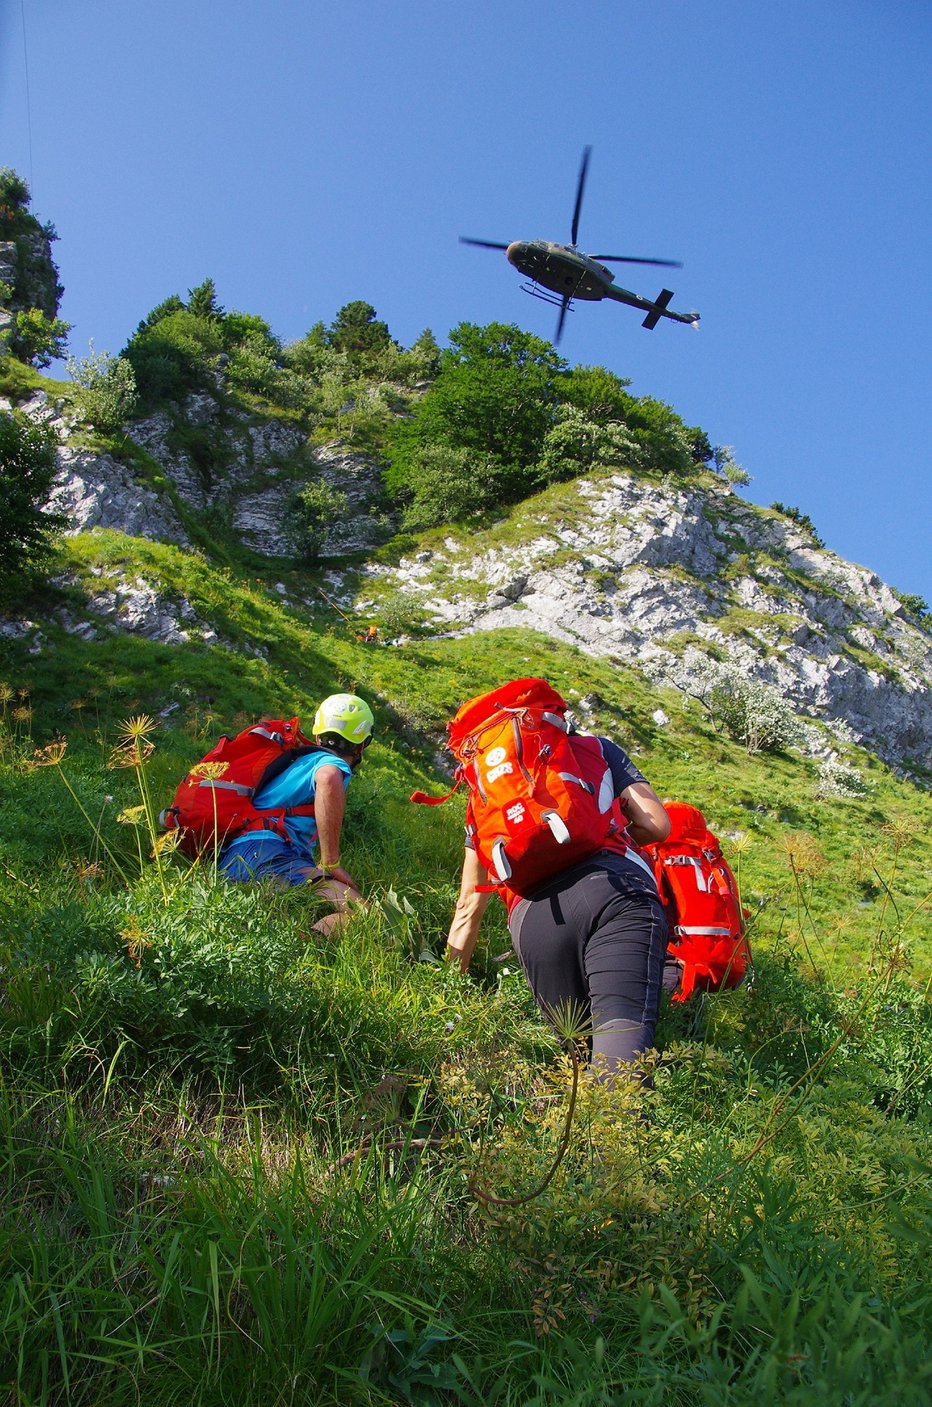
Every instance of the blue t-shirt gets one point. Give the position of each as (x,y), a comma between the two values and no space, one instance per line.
(294,786)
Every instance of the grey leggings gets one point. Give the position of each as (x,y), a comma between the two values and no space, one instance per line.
(596,938)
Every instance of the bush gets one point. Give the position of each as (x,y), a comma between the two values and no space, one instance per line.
(838,779)
(450,484)
(38,339)
(577,444)
(174,356)
(106,389)
(800,518)
(28,466)
(313,512)
(754,714)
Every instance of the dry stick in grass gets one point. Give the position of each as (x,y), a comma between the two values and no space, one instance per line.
(396,1146)
(399,1144)
(493,1201)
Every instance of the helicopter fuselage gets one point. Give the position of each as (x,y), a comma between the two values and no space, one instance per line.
(561,268)
(569,274)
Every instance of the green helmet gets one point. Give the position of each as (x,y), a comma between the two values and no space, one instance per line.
(347,715)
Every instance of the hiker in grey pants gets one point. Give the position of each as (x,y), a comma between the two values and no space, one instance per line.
(593,936)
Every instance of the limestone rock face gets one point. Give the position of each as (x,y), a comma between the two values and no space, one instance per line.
(219,460)
(616,565)
(95,491)
(636,569)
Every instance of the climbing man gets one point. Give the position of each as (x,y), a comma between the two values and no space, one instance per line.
(342,731)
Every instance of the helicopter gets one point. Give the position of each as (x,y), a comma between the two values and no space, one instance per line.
(558,273)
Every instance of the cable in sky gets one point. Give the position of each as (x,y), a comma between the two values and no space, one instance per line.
(22,10)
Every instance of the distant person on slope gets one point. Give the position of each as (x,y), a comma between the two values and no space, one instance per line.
(343,727)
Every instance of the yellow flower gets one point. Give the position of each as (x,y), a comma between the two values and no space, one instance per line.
(137,730)
(206,770)
(132,816)
(130,754)
(50,755)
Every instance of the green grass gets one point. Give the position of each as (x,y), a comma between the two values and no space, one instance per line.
(236,1163)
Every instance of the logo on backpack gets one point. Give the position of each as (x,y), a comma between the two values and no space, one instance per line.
(214,801)
(703,906)
(541,798)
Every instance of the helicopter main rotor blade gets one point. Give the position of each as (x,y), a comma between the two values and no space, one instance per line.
(630,259)
(579,192)
(483,243)
(564,304)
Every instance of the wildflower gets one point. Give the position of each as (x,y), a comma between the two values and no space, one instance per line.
(137,729)
(7,695)
(50,755)
(132,816)
(135,940)
(130,754)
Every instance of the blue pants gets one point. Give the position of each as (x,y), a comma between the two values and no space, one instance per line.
(268,856)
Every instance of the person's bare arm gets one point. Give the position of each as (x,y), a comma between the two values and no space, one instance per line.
(329,807)
(647,819)
(467,916)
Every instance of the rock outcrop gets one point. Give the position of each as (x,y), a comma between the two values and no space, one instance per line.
(615,564)
(635,570)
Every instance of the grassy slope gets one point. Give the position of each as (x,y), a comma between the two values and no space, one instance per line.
(181,1072)
(847,852)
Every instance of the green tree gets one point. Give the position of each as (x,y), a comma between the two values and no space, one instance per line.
(578,443)
(724,463)
(32,292)
(425,356)
(27,469)
(599,394)
(451,483)
(496,395)
(668,445)
(357,331)
(175,351)
(203,301)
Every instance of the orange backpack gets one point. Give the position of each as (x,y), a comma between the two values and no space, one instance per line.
(704,910)
(213,803)
(540,797)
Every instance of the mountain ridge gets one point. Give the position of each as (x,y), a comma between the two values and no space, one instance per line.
(616,562)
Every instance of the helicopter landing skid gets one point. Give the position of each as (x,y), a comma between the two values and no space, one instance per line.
(546,296)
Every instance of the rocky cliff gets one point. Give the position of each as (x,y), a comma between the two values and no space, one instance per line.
(621,567)
(618,565)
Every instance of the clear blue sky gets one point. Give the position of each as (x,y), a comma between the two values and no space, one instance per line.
(304,154)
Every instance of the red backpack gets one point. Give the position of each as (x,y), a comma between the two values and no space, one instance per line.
(540,797)
(703,906)
(214,801)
